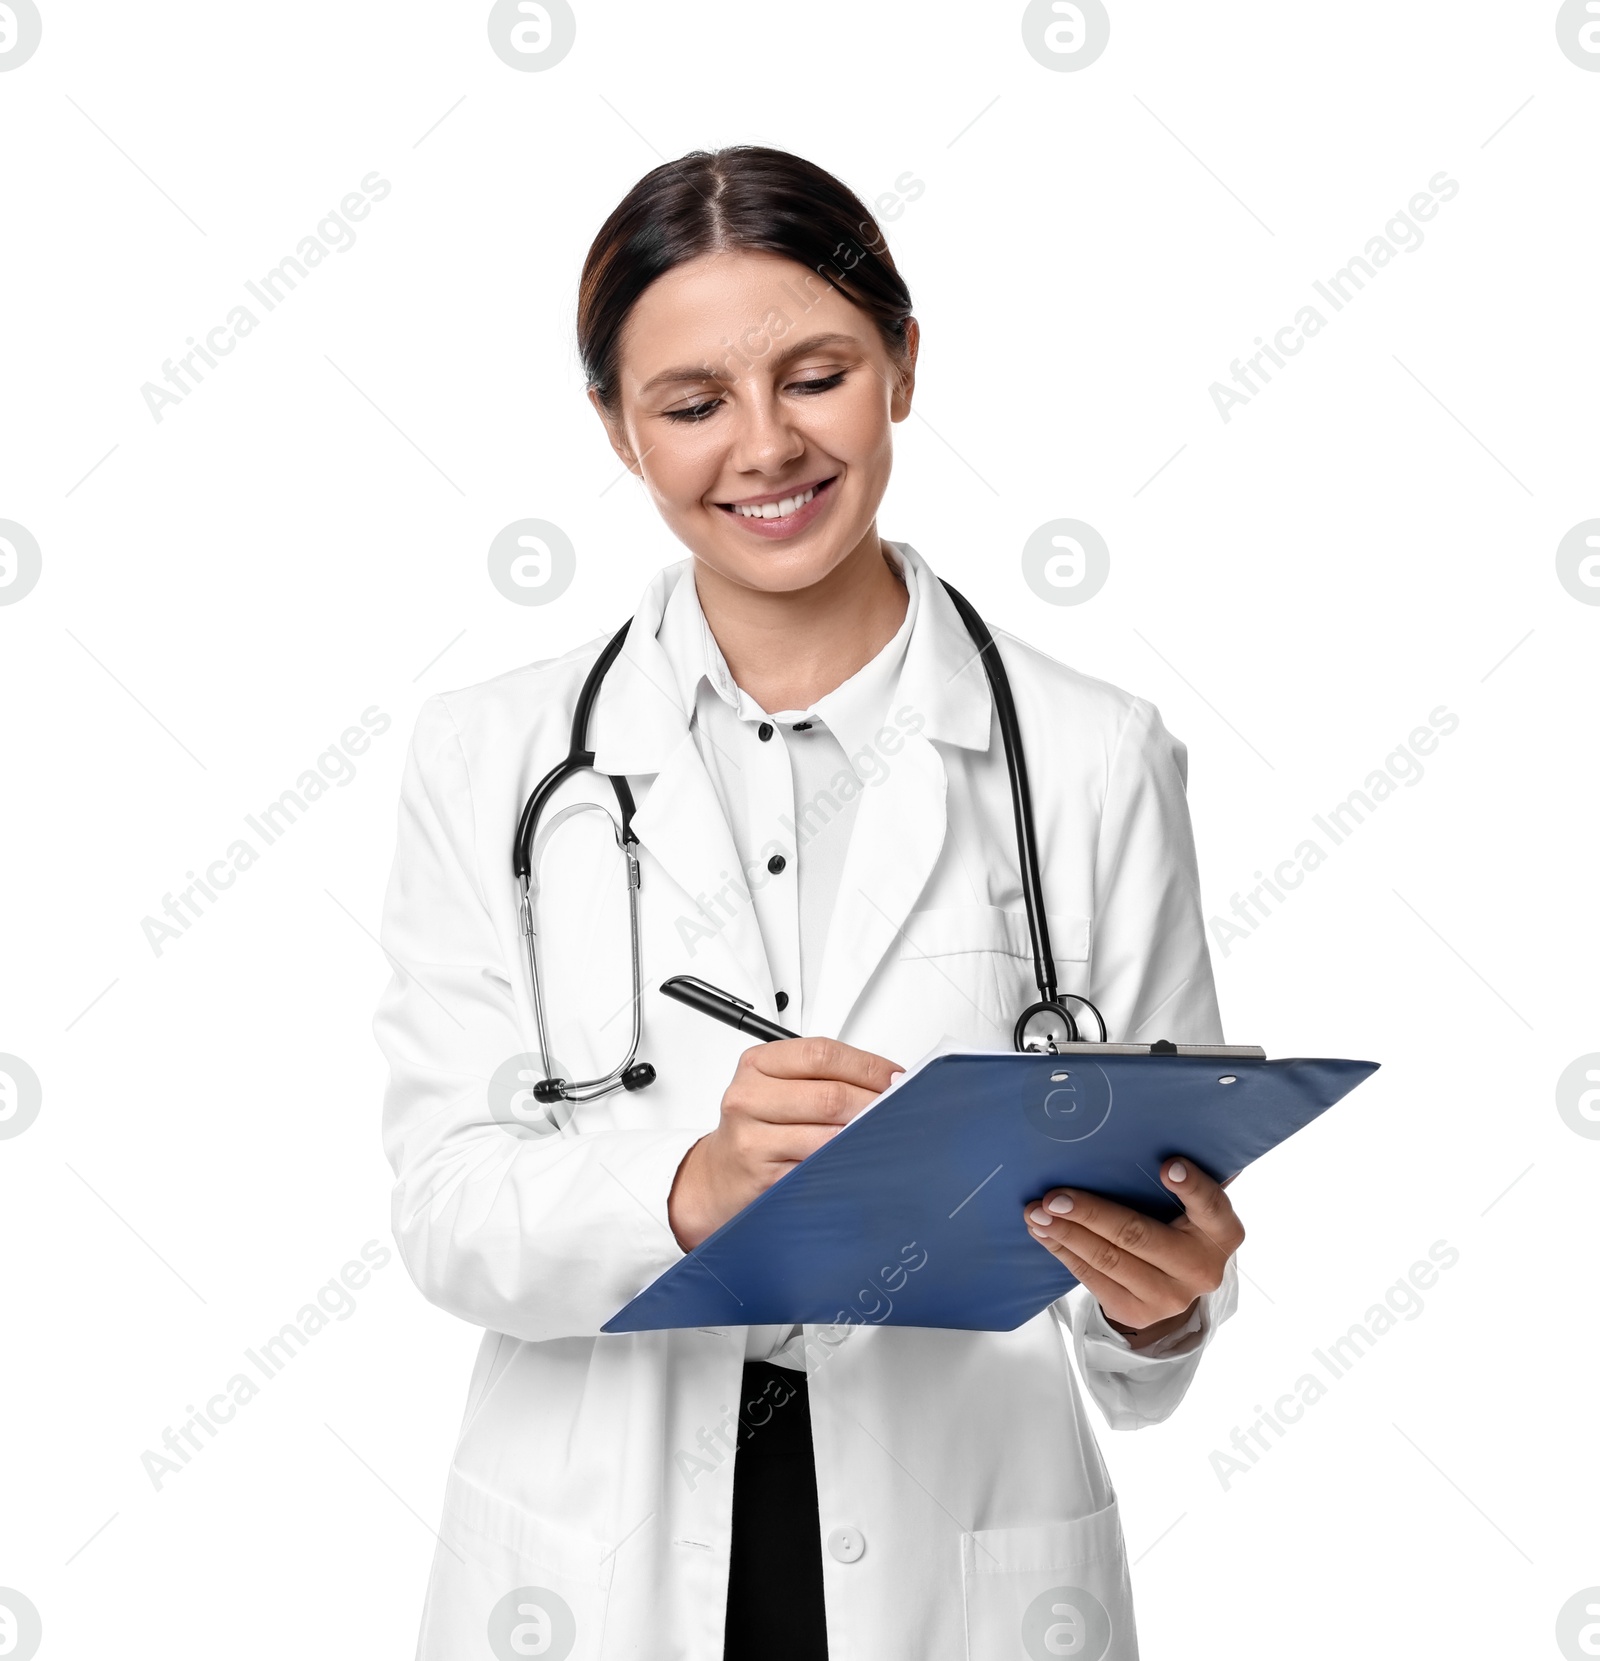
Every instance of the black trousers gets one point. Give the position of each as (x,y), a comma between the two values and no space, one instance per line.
(775,1608)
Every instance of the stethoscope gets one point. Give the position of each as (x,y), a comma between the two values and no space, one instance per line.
(1042,1028)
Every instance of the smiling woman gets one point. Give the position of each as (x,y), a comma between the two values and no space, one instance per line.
(818,786)
(749,344)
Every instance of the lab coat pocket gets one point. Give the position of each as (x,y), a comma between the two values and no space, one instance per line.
(977,960)
(1053,1589)
(507,1583)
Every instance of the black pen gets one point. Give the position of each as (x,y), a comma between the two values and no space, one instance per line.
(723,1006)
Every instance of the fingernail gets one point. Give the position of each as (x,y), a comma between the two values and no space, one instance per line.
(1061,1204)
(1039,1215)
(1178,1170)
(895,1072)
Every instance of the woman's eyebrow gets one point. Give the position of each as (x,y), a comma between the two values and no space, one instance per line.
(778,358)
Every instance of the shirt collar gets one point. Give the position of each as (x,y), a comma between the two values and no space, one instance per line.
(858,707)
(692,650)
(648,698)
(942,677)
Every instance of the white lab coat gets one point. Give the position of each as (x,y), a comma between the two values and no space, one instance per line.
(587,1508)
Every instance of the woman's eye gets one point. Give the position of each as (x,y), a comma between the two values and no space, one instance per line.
(695,412)
(698,412)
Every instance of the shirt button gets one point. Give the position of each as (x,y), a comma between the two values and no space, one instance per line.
(846,1544)
(776,864)
(782,1001)
(764,731)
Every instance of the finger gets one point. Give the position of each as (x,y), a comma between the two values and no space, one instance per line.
(754,1146)
(1136,1276)
(1205,1207)
(823,1058)
(794,1143)
(801,1101)
(1110,1292)
(1173,1251)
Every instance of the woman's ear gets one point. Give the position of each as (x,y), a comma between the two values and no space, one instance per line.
(906,380)
(615,434)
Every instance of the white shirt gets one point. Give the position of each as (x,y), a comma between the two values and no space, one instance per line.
(788,783)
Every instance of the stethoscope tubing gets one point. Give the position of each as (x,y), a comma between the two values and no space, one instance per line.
(579,757)
(1044,968)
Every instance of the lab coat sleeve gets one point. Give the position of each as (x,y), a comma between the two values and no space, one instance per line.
(1151,973)
(538,1237)
(1149,964)
(1134,1388)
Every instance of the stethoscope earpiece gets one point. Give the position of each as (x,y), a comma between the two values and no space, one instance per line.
(628,1074)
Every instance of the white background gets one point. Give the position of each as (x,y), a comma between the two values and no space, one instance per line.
(304,536)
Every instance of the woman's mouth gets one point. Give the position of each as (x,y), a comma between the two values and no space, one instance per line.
(784,516)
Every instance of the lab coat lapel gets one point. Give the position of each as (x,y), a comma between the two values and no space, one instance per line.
(680,824)
(639,727)
(900,825)
(895,843)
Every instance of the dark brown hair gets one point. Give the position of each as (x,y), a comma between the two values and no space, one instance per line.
(744,196)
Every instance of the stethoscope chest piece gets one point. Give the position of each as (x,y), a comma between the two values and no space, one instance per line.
(1042,1028)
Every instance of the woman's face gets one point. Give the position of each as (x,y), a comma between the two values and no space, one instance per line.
(747,380)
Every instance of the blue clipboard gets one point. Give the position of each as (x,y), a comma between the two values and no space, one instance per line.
(912,1214)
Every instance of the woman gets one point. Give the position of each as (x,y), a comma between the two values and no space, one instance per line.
(824,827)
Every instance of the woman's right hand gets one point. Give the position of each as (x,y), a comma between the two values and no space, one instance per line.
(786,1099)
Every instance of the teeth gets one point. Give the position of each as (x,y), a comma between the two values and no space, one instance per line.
(777,510)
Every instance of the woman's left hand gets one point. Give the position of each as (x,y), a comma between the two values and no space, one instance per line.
(1147,1275)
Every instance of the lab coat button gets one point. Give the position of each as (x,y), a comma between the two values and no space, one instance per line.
(846,1544)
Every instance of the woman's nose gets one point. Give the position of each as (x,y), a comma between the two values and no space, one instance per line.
(766,437)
